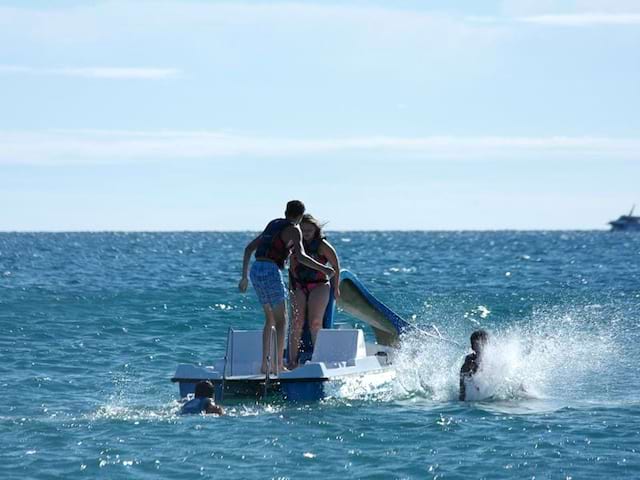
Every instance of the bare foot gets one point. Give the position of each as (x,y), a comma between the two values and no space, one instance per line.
(292,365)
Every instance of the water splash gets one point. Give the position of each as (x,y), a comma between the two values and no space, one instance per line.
(136,413)
(553,354)
(170,411)
(373,386)
(426,368)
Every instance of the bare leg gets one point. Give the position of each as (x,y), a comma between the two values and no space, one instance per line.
(299,304)
(318,301)
(280,316)
(269,322)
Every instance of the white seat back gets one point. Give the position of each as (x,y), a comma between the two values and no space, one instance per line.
(339,346)
(245,352)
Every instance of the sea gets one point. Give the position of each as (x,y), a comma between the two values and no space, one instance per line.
(92,326)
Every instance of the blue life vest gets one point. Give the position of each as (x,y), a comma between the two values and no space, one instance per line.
(271,244)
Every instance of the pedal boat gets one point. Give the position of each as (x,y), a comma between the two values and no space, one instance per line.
(341,359)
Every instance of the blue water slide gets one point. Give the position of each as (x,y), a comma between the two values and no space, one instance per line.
(358,301)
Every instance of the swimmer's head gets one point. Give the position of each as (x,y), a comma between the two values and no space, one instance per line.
(479,339)
(204,389)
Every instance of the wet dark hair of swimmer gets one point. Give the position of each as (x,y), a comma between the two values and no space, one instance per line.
(479,338)
(204,389)
(295,208)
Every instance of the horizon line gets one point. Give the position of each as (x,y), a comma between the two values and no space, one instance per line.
(395,230)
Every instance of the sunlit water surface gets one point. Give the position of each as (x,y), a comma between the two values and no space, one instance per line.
(93,326)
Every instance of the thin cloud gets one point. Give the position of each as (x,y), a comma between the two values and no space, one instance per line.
(583,19)
(137,73)
(107,147)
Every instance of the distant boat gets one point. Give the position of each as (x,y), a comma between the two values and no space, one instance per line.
(626,223)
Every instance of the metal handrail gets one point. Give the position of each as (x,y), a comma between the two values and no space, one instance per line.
(274,336)
(226,360)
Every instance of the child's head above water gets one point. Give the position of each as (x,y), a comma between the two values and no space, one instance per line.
(204,389)
(479,339)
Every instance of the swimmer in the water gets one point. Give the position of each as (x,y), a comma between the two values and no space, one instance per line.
(479,339)
(203,401)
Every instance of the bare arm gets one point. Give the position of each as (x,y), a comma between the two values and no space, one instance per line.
(213,408)
(248,251)
(328,251)
(295,235)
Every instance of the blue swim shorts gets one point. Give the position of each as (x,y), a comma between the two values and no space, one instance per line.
(266,279)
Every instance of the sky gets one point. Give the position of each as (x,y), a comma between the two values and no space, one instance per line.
(398,115)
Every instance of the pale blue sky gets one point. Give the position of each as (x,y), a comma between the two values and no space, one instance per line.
(175,115)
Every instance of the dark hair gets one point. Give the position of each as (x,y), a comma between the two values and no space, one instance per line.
(310,219)
(479,336)
(295,208)
(204,389)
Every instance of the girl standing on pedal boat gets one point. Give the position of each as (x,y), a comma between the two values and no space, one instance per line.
(310,289)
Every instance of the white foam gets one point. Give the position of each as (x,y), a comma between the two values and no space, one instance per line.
(550,355)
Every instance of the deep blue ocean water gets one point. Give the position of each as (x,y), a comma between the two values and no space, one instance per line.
(93,325)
